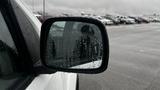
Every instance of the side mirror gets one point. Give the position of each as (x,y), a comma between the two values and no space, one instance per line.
(74,44)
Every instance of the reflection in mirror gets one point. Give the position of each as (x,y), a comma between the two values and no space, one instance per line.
(74,45)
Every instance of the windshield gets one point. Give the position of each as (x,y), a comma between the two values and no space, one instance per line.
(134,39)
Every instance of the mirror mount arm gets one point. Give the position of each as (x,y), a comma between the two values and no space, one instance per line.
(43,70)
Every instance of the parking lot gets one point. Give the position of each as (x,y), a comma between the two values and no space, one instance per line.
(134,60)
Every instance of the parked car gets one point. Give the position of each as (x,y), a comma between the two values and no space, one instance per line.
(127,20)
(143,20)
(107,21)
(137,19)
(103,20)
(115,20)
(30,54)
(155,19)
(149,19)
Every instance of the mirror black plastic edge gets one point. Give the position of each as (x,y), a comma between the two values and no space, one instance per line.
(44,33)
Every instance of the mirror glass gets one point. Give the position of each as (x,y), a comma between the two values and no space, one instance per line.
(74,45)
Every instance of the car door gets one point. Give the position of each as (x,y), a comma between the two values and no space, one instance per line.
(30,27)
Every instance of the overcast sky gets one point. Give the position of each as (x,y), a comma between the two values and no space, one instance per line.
(123,7)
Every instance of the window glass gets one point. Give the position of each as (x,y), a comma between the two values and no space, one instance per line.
(29,31)
(7,49)
(4,34)
(8,54)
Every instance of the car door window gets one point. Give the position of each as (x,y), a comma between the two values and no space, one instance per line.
(8,54)
(29,31)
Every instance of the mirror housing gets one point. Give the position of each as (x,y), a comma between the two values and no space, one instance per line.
(46,32)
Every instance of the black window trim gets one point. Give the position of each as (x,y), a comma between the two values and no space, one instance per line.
(18,38)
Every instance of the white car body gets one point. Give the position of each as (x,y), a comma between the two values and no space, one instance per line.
(131,20)
(106,21)
(128,20)
(55,81)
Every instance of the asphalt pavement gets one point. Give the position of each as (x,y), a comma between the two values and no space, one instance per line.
(134,62)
